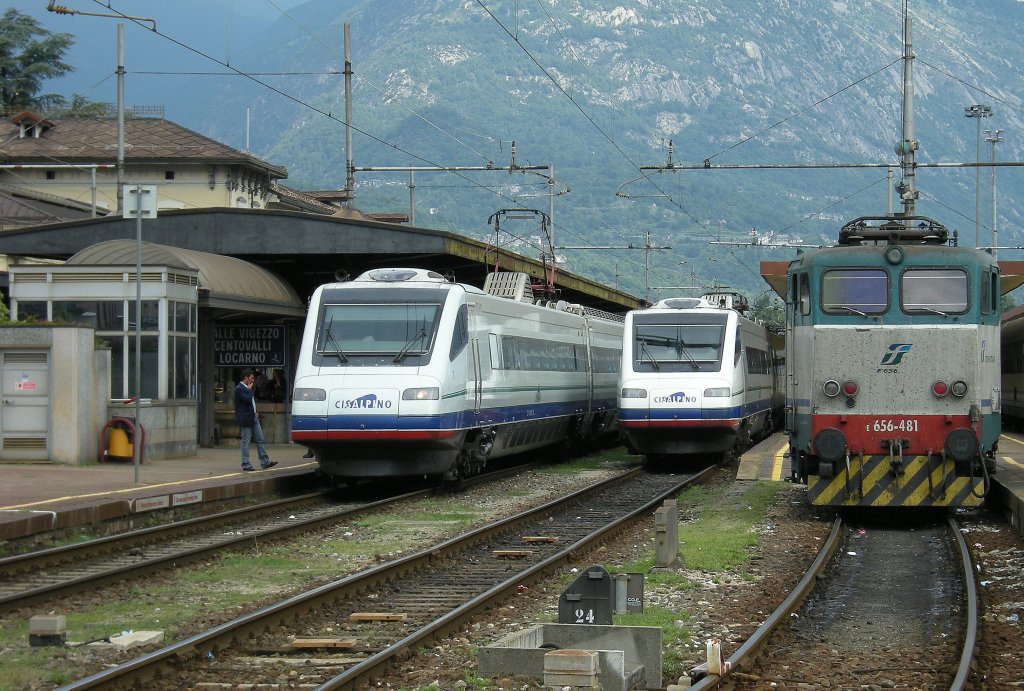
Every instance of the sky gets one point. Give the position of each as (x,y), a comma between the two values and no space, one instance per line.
(94,52)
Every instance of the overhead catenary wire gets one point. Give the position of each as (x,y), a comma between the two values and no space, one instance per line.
(515,38)
(329,114)
(294,99)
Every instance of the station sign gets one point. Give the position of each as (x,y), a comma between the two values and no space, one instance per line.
(249,345)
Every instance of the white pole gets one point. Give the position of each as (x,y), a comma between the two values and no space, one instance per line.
(137,446)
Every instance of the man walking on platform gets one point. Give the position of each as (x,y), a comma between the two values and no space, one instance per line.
(249,422)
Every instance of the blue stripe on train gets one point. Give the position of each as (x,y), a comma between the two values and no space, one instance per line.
(729,413)
(447,421)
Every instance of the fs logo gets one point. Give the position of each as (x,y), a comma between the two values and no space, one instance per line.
(894,356)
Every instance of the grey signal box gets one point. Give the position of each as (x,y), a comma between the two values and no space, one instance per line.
(589,600)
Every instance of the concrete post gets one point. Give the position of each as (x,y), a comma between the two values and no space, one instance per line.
(666,535)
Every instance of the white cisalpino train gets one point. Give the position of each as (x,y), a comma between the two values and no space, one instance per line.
(697,377)
(403,372)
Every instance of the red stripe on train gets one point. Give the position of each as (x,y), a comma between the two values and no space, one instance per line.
(373,435)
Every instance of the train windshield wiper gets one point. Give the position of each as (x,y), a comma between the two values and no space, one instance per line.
(852,310)
(422,335)
(645,351)
(932,310)
(331,341)
(682,350)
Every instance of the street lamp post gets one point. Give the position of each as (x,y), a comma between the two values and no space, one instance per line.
(994,137)
(977,112)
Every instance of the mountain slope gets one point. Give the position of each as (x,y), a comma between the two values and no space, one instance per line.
(597,89)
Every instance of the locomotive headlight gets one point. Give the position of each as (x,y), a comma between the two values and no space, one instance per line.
(309,395)
(958,389)
(634,393)
(718,392)
(850,388)
(939,389)
(427,393)
(831,388)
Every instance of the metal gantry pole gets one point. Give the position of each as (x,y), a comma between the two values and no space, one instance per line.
(994,137)
(137,446)
(120,117)
(977,111)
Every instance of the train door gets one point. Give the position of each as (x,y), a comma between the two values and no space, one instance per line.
(24,405)
(798,310)
(588,338)
(475,375)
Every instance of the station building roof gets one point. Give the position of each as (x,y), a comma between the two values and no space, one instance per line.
(306,250)
(224,282)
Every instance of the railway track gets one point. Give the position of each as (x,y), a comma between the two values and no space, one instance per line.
(37,576)
(382,613)
(872,601)
(45,574)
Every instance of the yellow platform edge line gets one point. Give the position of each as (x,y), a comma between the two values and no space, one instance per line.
(780,458)
(1014,463)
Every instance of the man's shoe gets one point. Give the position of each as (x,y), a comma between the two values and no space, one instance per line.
(270,465)
(247,467)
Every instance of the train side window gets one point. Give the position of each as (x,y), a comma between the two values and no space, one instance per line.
(495,352)
(461,336)
(855,291)
(986,287)
(805,294)
(994,291)
(934,291)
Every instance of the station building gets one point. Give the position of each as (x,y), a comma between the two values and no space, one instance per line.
(228,265)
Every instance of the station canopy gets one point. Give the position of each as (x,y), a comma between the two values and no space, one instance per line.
(225,282)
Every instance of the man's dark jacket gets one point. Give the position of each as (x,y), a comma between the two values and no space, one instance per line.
(245,414)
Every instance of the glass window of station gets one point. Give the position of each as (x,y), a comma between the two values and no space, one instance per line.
(166,330)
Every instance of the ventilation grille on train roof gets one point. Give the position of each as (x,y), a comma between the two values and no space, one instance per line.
(514,285)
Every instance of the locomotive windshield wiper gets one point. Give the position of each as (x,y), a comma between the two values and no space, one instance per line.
(932,310)
(334,344)
(851,309)
(415,339)
(644,351)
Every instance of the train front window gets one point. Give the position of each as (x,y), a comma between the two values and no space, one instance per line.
(855,291)
(403,331)
(694,346)
(934,291)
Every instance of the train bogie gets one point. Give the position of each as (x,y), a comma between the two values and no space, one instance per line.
(404,373)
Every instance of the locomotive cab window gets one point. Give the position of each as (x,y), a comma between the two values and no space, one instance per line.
(934,291)
(855,291)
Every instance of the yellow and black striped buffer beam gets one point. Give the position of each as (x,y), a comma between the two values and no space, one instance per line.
(871,481)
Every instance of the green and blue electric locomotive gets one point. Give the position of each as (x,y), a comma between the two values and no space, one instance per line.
(893,352)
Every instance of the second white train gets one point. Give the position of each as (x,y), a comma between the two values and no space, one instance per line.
(697,377)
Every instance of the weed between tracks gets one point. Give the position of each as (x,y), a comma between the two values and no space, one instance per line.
(718,540)
(183,601)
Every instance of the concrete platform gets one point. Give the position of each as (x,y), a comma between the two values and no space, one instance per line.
(41,497)
(1008,483)
(766,461)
